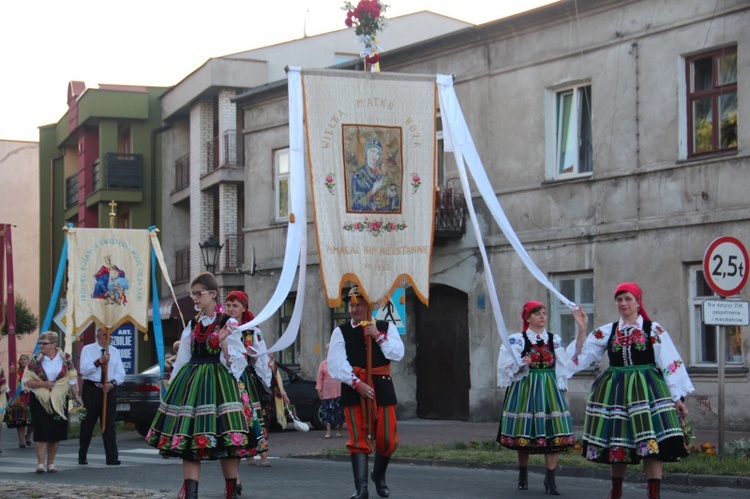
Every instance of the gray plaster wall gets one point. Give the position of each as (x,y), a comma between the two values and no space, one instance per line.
(644,214)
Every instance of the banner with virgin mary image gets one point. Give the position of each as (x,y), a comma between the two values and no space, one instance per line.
(371,147)
(108,278)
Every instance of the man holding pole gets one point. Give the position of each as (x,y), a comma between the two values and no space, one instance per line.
(102,370)
(367,391)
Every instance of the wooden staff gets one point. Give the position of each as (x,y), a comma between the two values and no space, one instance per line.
(369,402)
(107,331)
(105,381)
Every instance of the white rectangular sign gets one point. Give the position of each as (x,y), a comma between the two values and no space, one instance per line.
(726,313)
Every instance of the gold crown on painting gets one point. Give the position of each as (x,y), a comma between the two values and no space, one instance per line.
(373,144)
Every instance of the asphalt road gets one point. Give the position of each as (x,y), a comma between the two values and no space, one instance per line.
(143,470)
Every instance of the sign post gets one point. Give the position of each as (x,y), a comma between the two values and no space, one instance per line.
(725,269)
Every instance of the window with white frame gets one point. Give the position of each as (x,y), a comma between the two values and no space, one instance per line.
(281,183)
(291,354)
(580,289)
(712,101)
(704,338)
(569,142)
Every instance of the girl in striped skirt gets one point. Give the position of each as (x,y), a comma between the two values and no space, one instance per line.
(635,406)
(535,419)
(202,417)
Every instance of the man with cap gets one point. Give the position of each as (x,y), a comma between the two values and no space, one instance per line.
(347,363)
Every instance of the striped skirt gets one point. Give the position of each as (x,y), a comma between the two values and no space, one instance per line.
(536,418)
(253,411)
(202,416)
(630,415)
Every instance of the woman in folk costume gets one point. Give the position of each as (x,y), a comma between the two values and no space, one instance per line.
(237,307)
(18,415)
(536,418)
(51,378)
(201,416)
(635,406)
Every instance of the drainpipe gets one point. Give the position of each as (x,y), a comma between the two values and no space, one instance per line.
(634,51)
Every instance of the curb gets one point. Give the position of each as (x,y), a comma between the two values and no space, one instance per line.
(677,479)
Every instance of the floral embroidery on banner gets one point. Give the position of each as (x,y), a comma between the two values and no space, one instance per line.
(415,182)
(374,227)
(330,182)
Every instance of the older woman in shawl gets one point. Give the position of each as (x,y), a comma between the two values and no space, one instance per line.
(51,378)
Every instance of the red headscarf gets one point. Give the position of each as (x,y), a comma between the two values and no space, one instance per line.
(241,297)
(526,312)
(634,290)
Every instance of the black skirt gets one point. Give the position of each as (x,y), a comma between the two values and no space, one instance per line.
(48,427)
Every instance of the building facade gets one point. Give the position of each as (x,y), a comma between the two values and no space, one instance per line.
(105,148)
(205,196)
(611,133)
(19,192)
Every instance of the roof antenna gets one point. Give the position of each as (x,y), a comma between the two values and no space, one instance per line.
(304,27)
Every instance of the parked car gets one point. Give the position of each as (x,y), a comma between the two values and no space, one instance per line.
(139,395)
(303,395)
(138,399)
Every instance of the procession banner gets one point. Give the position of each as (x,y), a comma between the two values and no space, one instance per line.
(108,278)
(371,148)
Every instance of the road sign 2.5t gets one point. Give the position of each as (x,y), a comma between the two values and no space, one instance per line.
(725,266)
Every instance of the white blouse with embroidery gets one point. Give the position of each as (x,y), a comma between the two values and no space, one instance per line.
(665,353)
(508,371)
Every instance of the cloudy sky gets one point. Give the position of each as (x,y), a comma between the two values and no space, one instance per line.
(44,44)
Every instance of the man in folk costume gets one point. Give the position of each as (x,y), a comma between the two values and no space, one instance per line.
(347,363)
(102,370)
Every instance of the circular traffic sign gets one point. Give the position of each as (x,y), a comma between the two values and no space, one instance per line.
(725,266)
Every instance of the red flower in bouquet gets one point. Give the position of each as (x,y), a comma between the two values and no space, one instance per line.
(367,20)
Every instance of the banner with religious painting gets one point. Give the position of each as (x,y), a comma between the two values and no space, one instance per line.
(371,150)
(108,278)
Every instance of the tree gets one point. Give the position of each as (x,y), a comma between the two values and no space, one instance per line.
(26,320)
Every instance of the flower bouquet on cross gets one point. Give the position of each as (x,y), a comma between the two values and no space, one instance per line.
(367,20)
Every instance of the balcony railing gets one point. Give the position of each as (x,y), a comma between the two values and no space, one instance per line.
(234,250)
(450,215)
(228,143)
(182,172)
(71,191)
(182,265)
(123,171)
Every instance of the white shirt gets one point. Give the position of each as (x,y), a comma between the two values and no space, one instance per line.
(53,366)
(338,364)
(234,342)
(90,371)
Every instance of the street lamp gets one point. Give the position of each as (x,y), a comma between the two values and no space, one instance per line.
(210,250)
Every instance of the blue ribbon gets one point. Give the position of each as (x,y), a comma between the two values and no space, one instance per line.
(158,332)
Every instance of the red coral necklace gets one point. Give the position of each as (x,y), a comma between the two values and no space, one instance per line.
(201,334)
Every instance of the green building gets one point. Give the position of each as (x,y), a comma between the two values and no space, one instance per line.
(105,148)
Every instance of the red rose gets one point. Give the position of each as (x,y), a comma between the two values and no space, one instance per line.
(617,454)
(201,441)
(598,335)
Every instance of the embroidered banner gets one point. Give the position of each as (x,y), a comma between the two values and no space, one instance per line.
(371,149)
(108,278)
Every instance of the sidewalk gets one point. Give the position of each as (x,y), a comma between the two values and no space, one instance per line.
(425,431)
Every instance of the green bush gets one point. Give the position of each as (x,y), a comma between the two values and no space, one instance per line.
(26,320)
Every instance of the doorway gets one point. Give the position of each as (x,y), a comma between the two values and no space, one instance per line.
(442,360)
